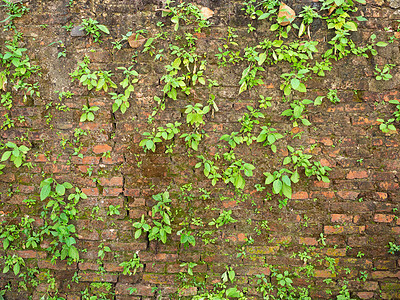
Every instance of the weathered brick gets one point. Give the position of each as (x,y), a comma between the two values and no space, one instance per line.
(381,218)
(357,174)
(101,148)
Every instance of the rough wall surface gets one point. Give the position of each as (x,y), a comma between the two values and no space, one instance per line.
(331,236)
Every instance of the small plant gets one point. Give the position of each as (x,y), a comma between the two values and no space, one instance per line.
(16,154)
(387,126)
(13,262)
(69,26)
(88,113)
(384,72)
(93,28)
(14,10)
(233,173)
(393,248)
(131,266)
(223,219)
(308,14)
(332,96)
(113,210)
(196,113)
(281,182)
(210,170)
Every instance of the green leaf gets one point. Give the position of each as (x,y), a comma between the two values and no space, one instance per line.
(274,27)
(286,180)
(67,185)
(287,90)
(243,87)
(381,44)
(277,186)
(5,155)
(60,189)
(18,161)
(45,192)
(262,57)
(302,29)
(287,191)
(24,149)
(269,178)
(73,253)
(6,269)
(295,177)
(138,233)
(287,160)
(295,83)
(103,28)
(6,243)
(176,63)
(305,122)
(318,100)
(264,16)
(302,88)
(16,268)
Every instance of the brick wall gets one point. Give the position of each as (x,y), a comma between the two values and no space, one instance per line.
(356,213)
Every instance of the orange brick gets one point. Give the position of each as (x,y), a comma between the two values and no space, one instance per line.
(357,174)
(300,195)
(341,218)
(308,241)
(101,148)
(381,218)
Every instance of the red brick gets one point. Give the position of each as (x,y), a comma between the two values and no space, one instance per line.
(385,274)
(143,290)
(341,218)
(94,277)
(381,218)
(357,174)
(189,291)
(336,252)
(348,195)
(166,257)
(324,274)
(365,295)
(349,229)
(101,148)
(88,266)
(308,241)
(158,278)
(91,192)
(300,195)
(113,181)
(112,192)
(132,192)
(391,186)
(113,267)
